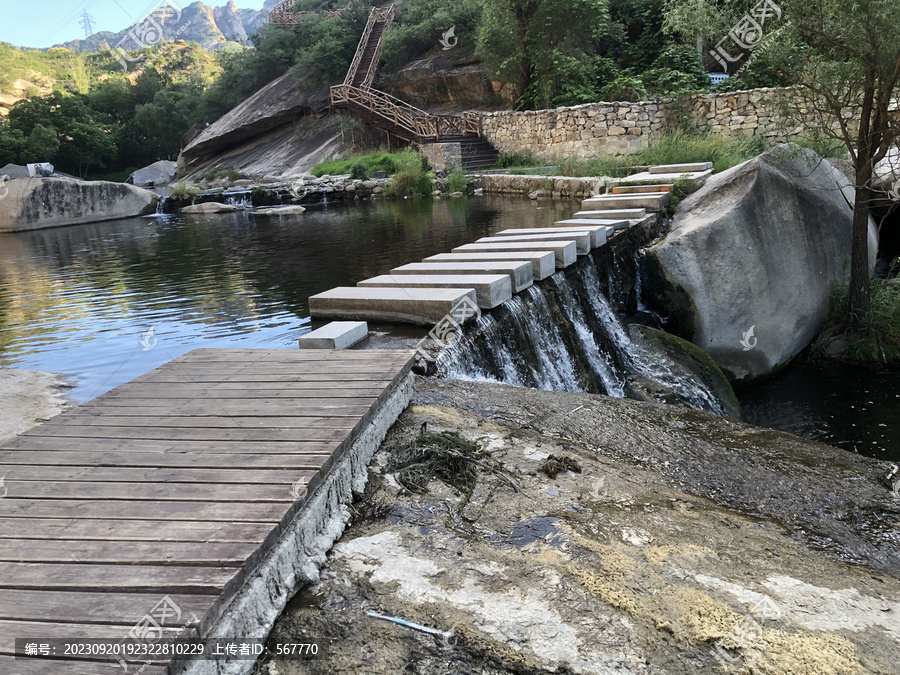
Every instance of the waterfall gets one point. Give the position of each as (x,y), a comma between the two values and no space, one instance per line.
(240,199)
(161,205)
(563,334)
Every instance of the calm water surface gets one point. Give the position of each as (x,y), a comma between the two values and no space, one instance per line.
(79,299)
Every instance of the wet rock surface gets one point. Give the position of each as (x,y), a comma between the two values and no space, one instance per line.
(686,543)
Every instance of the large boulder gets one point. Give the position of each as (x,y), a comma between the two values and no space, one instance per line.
(158,173)
(747,268)
(35,203)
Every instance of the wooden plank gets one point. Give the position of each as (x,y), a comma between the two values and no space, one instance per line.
(15,473)
(233,414)
(100,529)
(303,462)
(93,607)
(215,379)
(10,665)
(131,510)
(263,398)
(192,579)
(330,429)
(70,551)
(59,444)
(221,492)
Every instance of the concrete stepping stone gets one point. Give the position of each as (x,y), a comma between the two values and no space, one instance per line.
(565,252)
(597,230)
(693,180)
(335,335)
(582,238)
(491,290)
(632,189)
(519,272)
(630,214)
(420,306)
(611,225)
(692,167)
(543,263)
(651,201)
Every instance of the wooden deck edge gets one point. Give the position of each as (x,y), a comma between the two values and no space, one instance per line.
(299,550)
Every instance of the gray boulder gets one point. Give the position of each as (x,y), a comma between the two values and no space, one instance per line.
(747,268)
(210,207)
(14,171)
(158,173)
(35,203)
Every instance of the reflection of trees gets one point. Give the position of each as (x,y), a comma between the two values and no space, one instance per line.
(229,268)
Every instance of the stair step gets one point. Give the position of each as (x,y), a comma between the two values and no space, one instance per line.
(652,201)
(583,239)
(597,231)
(543,263)
(519,272)
(565,251)
(491,290)
(609,225)
(633,189)
(630,214)
(681,168)
(420,306)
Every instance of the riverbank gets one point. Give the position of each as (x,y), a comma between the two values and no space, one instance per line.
(680,536)
(29,397)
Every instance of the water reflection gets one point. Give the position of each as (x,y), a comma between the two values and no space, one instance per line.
(78,299)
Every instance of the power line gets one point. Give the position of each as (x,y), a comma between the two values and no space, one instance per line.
(87,22)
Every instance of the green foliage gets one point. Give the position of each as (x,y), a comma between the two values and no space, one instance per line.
(411,178)
(42,144)
(457,179)
(878,336)
(684,60)
(359,171)
(215,173)
(12,144)
(509,160)
(420,27)
(183,191)
(624,89)
(634,36)
(545,47)
(665,81)
(678,147)
(376,161)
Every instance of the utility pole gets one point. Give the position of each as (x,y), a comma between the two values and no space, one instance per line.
(87,22)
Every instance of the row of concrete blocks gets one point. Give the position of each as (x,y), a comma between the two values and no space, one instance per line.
(487,273)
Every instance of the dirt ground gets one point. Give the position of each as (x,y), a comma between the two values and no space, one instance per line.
(687,543)
(28,397)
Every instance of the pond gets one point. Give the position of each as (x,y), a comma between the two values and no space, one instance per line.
(80,299)
(107,302)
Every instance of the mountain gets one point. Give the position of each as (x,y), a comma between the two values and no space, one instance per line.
(212,27)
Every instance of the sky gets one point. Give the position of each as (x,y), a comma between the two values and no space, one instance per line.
(57,21)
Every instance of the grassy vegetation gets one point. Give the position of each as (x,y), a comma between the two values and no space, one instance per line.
(457,179)
(878,338)
(374,161)
(412,177)
(182,191)
(675,147)
(228,173)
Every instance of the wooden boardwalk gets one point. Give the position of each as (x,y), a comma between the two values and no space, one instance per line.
(173,485)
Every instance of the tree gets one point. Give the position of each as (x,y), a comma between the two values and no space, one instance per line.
(848,90)
(42,144)
(546,47)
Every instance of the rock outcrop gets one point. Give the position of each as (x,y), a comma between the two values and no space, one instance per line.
(35,203)
(259,137)
(748,266)
(158,173)
(442,81)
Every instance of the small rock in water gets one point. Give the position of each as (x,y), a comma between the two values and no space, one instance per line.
(279,210)
(209,207)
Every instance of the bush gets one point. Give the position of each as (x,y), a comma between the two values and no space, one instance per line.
(376,161)
(684,60)
(359,171)
(624,89)
(510,160)
(412,177)
(878,338)
(457,180)
(665,81)
(183,191)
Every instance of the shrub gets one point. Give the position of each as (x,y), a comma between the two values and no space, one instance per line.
(376,161)
(183,191)
(685,60)
(457,179)
(624,89)
(510,160)
(359,171)
(665,81)
(411,177)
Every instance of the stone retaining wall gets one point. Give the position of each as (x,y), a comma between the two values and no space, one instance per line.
(558,187)
(623,128)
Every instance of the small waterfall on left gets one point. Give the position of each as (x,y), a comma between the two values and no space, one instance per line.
(161,205)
